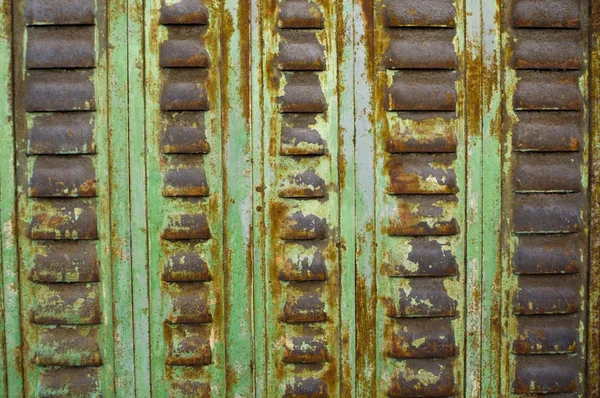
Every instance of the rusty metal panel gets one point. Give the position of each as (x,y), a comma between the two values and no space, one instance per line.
(545,196)
(185,197)
(63,198)
(301,191)
(299,198)
(419,117)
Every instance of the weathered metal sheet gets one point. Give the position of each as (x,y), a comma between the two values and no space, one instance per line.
(419,113)
(545,197)
(185,198)
(62,153)
(299,198)
(301,190)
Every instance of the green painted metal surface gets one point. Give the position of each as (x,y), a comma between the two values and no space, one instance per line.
(299,198)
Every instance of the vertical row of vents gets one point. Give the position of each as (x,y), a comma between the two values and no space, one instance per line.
(421,66)
(547,42)
(60,60)
(184,104)
(300,66)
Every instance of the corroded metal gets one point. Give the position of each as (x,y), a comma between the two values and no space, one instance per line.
(299,198)
(545,205)
(419,99)
(301,192)
(184,197)
(61,147)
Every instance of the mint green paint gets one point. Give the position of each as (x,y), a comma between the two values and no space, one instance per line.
(492,127)
(120,200)
(347,205)
(137,183)
(237,197)
(11,377)
(474,186)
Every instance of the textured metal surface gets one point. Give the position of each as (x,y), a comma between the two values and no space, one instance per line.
(301,145)
(419,98)
(545,196)
(62,150)
(299,198)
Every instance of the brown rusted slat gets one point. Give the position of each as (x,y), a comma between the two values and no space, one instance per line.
(547,131)
(59,133)
(301,51)
(186,267)
(421,49)
(184,12)
(422,174)
(304,185)
(304,349)
(70,382)
(304,268)
(185,176)
(185,133)
(547,374)
(424,378)
(184,48)
(64,219)
(187,226)
(538,295)
(62,176)
(300,226)
(423,215)
(422,338)
(533,169)
(302,93)
(189,303)
(184,90)
(547,49)
(298,138)
(191,388)
(67,304)
(66,262)
(548,255)
(67,346)
(304,308)
(425,135)
(60,12)
(300,14)
(423,13)
(60,47)
(537,91)
(422,91)
(59,90)
(556,335)
(422,297)
(188,345)
(306,387)
(546,14)
(547,213)
(427,257)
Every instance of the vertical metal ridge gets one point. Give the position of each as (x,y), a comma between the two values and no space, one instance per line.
(593,324)
(369,362)
(491,269)
(347,205)
(238,195)
(11,376)
(139,213)
(120,195)
(475,193)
